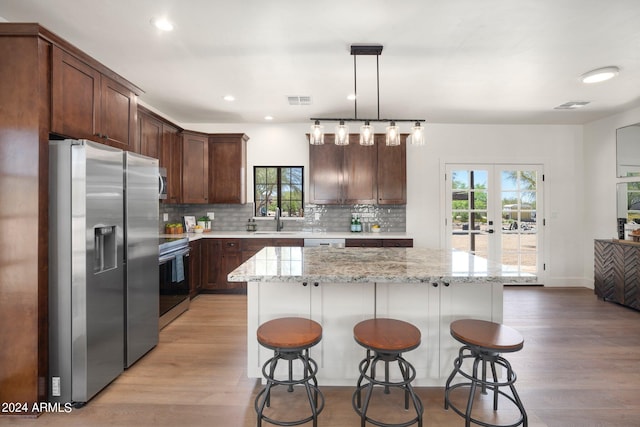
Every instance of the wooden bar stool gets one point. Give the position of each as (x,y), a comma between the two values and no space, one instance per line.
(483,341)
(290,338)
(387,339)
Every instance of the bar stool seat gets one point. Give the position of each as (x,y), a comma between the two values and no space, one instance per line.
(387,339)
(290,338)
(483,341)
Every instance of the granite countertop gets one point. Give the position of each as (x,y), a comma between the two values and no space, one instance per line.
(287,235)
(372,265)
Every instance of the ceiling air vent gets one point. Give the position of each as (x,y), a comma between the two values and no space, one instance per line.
(571,105)
(299,100)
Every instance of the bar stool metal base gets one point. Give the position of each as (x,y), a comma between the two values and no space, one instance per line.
(310,369)
(484,356)
(368,364)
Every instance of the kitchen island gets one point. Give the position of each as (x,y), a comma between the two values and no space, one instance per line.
(339,287)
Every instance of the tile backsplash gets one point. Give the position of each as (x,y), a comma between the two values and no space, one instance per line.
(318,218)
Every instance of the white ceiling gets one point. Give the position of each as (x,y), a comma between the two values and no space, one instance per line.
(446,61)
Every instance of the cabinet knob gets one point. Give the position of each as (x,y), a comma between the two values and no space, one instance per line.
(446,284)
(304,283)
(434,284)
(316,284)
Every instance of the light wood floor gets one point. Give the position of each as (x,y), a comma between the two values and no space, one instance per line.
(580,366)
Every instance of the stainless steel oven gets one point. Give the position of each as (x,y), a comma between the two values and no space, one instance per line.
(174,278)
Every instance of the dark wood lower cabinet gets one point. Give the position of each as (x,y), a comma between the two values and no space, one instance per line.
(195,268)
(617,272)
(213,259)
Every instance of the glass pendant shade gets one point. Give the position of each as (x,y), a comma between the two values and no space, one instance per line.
(366,134)
(417,134)
(393,134)
(317,134)
(342,134)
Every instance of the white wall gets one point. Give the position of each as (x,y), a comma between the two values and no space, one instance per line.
(557,148)
(600,181)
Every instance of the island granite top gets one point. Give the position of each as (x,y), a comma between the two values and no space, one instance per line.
(372,265)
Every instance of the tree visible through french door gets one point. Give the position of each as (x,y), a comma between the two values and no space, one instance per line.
(495,212)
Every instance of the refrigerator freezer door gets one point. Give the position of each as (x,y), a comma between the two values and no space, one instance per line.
(86,281)
(141,231)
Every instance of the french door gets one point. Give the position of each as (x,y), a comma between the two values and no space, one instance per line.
(495,211)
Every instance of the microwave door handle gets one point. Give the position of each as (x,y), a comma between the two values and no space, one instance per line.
(161,184)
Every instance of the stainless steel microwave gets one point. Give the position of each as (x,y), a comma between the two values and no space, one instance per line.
(162,183)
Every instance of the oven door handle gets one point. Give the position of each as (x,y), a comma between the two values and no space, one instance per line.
(168,257)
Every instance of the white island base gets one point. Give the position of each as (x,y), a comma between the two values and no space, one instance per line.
(338,307)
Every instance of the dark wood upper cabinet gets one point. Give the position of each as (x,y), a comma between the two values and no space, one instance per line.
(171,159)
(150,135)
(87,104)
(195,168)
(392,172)
(325,172)
(228,168)
(354,173)
(359,172)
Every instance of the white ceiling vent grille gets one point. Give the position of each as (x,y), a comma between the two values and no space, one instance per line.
(571,105)
(299,100)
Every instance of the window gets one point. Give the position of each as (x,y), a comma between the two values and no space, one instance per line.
(279,187)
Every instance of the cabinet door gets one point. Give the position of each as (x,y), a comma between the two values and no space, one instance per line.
(338,307)
(150,130)
(118,112)
(325,172)
(604,271)
(171,159)
(75,97)
(195,168)
(267,301)
(465,301)
(418,304)
(630,285)
(211,255)
(195,270)
(392,172)
(359,176)
(227,168)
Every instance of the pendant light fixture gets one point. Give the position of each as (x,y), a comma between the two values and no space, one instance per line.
(342,134)
(367,135)
(317,135)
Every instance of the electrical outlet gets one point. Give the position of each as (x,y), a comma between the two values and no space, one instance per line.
(211,215)
(55,386)
(317,216)
(165,217)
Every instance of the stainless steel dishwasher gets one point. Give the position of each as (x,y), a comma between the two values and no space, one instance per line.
(328,242)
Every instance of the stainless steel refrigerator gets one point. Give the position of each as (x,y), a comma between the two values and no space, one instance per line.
(141,256)
(90,317)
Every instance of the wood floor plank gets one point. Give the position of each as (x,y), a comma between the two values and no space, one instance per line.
(580,366)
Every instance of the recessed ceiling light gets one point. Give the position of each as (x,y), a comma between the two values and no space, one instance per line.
(268,118)
(351,97)
(599,75)
(162,24)
(229,98)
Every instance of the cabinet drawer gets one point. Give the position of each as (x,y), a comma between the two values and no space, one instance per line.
(397,243)
(231,245)
(255,244)
(363,243)
(288,242)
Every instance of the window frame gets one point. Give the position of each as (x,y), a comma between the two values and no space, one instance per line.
(279,188)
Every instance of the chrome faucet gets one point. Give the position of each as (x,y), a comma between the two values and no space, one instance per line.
(279,224)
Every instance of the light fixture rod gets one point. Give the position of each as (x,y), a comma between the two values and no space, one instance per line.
(329,119)
(378,83)
(355,87)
